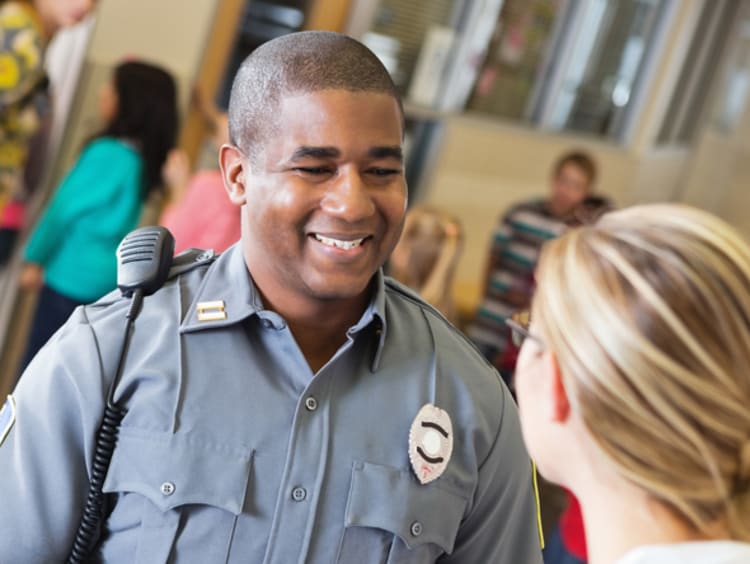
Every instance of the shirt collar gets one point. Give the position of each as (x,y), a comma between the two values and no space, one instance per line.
(227,296)
(374,316)
(226,291)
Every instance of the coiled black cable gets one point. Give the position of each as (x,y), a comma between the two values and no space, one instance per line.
(88,530)
(106,440)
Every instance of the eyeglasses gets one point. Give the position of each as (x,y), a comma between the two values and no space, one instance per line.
(519,328)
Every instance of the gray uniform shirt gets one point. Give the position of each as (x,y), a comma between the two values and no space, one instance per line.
(232,450)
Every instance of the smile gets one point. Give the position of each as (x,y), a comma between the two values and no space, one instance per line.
(338,243)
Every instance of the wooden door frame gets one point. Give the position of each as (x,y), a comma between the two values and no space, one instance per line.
(221,39)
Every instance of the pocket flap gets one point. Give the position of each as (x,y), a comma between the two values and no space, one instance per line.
(391,499)
(172,470)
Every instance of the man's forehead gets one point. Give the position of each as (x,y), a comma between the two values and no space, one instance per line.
(343,107)
(290,95)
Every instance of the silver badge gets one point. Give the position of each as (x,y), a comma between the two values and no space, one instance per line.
(430,443)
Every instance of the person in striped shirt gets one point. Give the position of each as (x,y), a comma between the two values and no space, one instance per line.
(514,249)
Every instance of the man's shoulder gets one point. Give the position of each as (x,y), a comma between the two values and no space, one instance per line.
(186,272)
(534,205)
(425,322)
(421,344)
(533,220)
(191,259)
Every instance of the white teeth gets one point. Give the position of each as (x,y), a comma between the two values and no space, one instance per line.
(346,245)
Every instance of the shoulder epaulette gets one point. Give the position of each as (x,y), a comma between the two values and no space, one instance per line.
(189,259)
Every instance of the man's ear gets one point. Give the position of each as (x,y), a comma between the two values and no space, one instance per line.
(558,401)
(233,164)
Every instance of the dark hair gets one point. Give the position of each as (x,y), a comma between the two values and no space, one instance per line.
(590,210)
(146,115)
(582,160)
(298,63)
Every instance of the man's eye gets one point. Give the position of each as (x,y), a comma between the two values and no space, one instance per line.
(384,171)
(313,170)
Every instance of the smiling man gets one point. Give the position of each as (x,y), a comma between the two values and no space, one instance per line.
(285,401)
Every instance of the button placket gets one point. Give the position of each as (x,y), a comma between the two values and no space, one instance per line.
(310,437)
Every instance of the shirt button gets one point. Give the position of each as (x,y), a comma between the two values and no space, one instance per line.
(416,528)
(299,494)
(267,323)
(167,488)
(311,403)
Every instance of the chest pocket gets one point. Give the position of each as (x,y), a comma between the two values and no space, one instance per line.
(165,483)
(392,519)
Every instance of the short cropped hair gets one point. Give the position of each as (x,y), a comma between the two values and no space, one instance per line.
(295,64)
(648,312)
(582,160)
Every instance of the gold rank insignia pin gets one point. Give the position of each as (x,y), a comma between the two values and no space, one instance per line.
(211,311)
(430,443)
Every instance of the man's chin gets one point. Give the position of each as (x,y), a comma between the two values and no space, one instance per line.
(339,290)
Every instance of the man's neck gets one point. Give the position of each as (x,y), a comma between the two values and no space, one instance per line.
(319,342)
(320,327)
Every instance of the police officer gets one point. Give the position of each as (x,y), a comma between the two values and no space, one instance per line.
(285,402)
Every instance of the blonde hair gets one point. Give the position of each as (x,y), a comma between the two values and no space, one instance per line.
(432,242)
(648,312)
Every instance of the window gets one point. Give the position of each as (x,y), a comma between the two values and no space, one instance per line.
(569,65)
(399,30)
(515,57)
(686,107)
(574,65)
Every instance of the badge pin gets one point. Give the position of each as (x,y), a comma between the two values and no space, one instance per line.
(7,417)
(430,443)
(211,311)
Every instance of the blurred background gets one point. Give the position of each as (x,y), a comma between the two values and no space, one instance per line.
(495,90)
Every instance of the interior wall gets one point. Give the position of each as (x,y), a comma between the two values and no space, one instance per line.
(164,31)
(137,29)
(664,72)
(718,176)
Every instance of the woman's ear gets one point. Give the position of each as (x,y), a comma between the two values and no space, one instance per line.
(233,163)
(558,402)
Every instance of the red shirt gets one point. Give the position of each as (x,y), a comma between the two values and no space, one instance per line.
(571,529)
(205,219)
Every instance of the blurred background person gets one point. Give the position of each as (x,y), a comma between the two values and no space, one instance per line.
(70,256)
(633,387)
(426,255)
(197,210)
(26,28)
(514,249)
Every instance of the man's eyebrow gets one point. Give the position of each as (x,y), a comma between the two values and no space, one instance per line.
(384,152)
(306,152)
(394,152)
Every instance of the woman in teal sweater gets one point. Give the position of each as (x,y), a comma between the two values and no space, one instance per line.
(71,253)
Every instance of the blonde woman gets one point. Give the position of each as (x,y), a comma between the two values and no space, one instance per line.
(633,383)
(426,255)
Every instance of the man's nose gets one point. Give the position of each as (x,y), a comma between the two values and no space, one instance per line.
(348,196)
